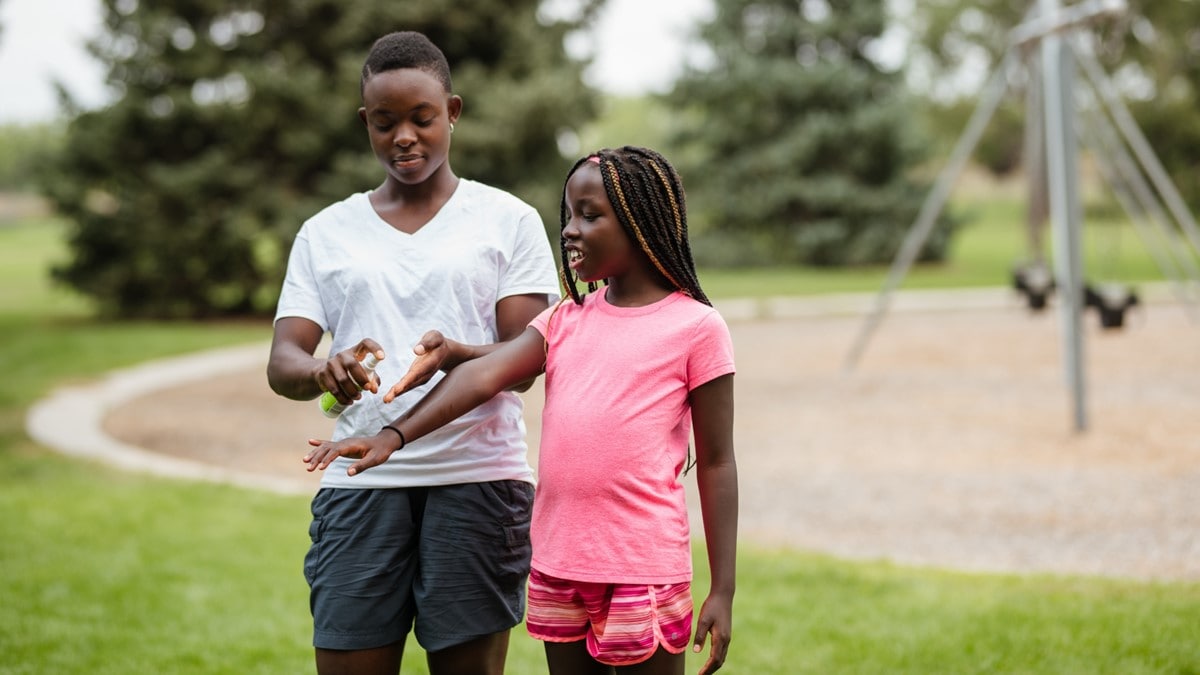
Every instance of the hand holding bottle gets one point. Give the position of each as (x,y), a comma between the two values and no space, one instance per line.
(345,375)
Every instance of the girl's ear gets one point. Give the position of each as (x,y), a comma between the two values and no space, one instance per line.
(362,115)
(454,107)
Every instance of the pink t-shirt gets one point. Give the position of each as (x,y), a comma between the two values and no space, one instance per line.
(615,430)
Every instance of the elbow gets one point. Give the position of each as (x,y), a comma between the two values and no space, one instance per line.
(278,381)
(273,381)
(522,387)
(286,386)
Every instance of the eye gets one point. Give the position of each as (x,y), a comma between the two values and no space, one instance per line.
(424,123)
(382,122)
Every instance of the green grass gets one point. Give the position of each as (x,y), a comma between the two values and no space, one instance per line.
(983,253)
(125,574)
(108,572)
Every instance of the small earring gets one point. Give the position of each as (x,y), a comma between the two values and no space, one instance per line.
(452,127)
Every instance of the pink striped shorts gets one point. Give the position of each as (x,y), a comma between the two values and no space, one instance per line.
(622,623)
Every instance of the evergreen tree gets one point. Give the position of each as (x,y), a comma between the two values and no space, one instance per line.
(235,121)
(798,146)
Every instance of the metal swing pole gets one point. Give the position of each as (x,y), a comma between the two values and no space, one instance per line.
(1062,172)
(1141,148)
(1123,175)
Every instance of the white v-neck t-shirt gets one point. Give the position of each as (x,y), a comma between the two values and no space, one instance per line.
(356,276)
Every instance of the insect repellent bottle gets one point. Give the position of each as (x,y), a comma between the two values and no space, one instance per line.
(329,403)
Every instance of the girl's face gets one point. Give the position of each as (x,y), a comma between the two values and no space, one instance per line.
(597,246)
(408,115)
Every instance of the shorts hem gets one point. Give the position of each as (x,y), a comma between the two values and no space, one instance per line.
(442,642)
(353,643)
(641,658)
(557,638)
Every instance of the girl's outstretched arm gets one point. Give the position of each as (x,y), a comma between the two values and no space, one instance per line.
(468,385)
(716,479)
(437,352)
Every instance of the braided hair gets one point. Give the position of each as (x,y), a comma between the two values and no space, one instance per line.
(406,49)
(647,195)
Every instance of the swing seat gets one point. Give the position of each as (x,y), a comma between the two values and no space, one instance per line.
(1110,301)
(1035,282)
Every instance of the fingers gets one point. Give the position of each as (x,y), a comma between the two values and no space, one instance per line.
(368,345)
(397,389)
(360,377)
(344,375)
(371,459)
(334,377)
(702,629)
(324,452)
(423,368)
(417,375)
(720,646)
(320,456)
(368,453)
(429,342)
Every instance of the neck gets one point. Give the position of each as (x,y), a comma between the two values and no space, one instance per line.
(624,292)
(436,189)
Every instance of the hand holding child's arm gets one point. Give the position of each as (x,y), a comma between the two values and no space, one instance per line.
(716,479)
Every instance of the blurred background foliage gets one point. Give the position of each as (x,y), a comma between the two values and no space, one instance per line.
(801,144)
(233,122)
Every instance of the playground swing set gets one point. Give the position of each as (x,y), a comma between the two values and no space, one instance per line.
(1064,112)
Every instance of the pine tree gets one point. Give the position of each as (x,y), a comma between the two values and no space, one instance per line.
(799,147)
(235,121)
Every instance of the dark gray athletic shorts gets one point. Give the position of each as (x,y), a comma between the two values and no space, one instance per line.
(455,558)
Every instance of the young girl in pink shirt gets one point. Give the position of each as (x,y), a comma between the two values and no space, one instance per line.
(632,371)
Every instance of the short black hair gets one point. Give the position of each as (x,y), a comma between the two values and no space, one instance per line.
(406,49)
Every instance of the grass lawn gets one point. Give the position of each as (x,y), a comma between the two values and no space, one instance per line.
(107,572)
(983,253)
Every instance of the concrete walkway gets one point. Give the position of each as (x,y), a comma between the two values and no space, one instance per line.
(950,444)
(89,405)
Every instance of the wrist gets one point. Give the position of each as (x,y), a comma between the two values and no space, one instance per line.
(456,353)
(725,589)
(314,379)
(395,434)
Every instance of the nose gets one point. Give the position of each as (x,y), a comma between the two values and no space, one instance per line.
(404,136)
(570,231)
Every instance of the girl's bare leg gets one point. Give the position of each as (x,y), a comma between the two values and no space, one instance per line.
(572,658)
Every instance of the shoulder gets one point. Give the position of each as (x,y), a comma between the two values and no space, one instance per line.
(349,209)
(699,324)
(486,198)
(686,308)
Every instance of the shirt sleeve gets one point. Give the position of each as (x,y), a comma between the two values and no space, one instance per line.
(301,296)
(530,267)
(711,353)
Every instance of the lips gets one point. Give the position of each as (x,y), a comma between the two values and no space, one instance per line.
(406,159)
(574,257)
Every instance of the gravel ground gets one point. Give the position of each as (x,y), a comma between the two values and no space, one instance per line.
(950,445)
